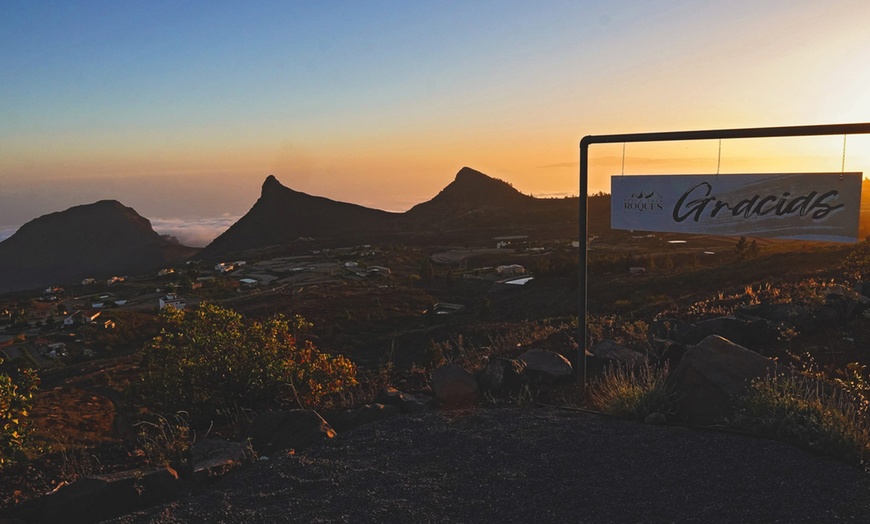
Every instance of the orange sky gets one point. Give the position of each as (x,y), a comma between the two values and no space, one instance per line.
(382,105)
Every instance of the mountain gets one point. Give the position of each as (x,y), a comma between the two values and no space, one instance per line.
(474,205)
(95,240)
(282,215)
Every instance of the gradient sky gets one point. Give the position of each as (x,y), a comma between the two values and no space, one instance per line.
(181,109)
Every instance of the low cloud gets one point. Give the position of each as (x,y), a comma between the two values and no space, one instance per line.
(7,231)
(194,232)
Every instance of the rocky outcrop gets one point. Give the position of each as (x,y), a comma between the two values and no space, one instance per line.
(709,377)
(503,377)
(213,458)
(610,350)
(453,386)
(546,367)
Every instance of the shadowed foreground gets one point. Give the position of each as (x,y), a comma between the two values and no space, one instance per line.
(531,465)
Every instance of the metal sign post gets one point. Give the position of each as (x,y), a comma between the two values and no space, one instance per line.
(669,136)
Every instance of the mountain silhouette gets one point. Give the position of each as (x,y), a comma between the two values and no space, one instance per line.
(94,240)
(473,205)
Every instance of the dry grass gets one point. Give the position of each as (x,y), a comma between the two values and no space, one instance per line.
(807,412)
(633,392)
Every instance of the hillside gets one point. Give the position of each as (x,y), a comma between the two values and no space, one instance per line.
(474,205)
(101,239)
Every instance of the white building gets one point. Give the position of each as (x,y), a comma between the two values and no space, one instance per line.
(173,300)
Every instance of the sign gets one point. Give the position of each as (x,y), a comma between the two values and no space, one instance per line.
(802,206)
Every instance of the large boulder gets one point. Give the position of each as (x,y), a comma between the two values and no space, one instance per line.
(710,375)
(502,376)
(453,386)
(276,431)
(546,367)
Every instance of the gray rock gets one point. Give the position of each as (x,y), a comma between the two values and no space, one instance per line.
(277,431)
(454,386)
(214,457)
(502,376)
(610,350)
(709,377)
(546,367)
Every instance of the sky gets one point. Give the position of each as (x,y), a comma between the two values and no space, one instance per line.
(181,109)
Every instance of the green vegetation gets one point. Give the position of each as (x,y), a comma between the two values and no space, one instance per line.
(809,411)
(633,392)
(212,358)
(15,398)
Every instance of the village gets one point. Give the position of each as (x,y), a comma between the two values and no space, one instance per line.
(57,325)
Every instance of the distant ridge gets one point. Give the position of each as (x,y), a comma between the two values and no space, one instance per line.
(473,203)
(101,239)
(283,215)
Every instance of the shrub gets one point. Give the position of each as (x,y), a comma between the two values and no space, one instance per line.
(631,391)
(808,412)
(211,358)
(15,397)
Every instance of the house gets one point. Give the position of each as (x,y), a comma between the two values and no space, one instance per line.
(173,300)
(88,281)
(81,317)
(224,267)
(165,272)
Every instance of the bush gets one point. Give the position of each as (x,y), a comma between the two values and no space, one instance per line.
(631,391)
(808,412)
(15,397)
(213,358)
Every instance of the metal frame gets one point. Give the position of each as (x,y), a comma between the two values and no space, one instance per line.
(669,136)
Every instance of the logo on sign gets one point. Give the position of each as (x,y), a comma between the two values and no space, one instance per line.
(651,202)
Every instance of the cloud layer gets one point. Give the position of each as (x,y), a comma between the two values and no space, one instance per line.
(194,232)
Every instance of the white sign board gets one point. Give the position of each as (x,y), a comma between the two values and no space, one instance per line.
(804,206)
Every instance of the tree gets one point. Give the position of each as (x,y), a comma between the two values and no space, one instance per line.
(213,358)
(741,248)
(15,397)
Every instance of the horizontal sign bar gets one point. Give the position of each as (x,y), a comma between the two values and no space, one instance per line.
(802,206)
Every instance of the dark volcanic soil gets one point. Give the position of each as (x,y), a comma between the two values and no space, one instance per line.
(531,465)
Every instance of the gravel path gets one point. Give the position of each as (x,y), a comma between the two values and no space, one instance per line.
(531,465)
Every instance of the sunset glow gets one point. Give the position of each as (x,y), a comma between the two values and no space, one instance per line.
(181,111)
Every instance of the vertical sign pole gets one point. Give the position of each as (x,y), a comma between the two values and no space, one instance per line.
(582,272)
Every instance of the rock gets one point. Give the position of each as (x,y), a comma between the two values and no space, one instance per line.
(454,386)
(94,499)
(546,367)
(214,457)
(609,350)
(562,342)
(502,376)
(277,431)
(710,375)
(353,418)
(750,332)
(406,402)
(676,330)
